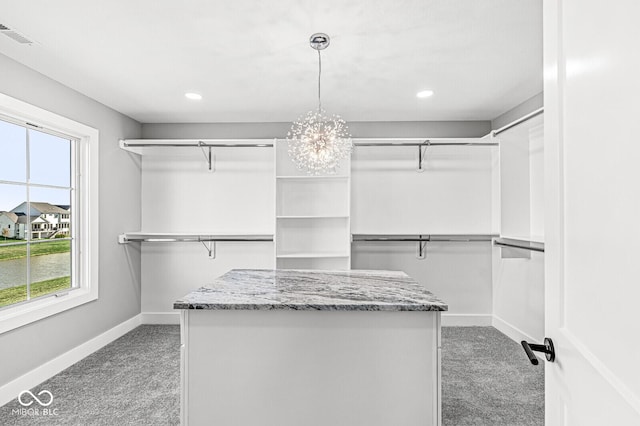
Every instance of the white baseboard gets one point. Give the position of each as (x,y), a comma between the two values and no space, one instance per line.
(466,320)
(511,331)
(49,369)
(515,334)
(160,318)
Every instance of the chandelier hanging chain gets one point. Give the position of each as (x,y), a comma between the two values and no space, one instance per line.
(319,75)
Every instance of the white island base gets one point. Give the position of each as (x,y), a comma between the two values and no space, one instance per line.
(310,368)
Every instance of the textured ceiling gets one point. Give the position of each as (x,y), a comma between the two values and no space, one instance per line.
(251,59)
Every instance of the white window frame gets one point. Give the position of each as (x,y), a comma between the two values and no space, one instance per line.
(85,251)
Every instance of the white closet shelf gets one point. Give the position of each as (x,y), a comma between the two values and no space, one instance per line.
(519,244)
(312,217)
(151,146)
(421,142)
(310,255)
(191,237)
(528,238)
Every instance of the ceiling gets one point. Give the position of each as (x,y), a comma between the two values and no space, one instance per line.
(251,59)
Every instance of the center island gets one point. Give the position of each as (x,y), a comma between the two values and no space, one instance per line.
(309,347)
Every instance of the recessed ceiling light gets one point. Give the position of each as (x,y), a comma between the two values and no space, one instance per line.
(424,93)
(193,96)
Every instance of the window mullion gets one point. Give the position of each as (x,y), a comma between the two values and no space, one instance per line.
(29,225)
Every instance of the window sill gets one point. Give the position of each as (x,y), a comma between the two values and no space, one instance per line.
(23,314)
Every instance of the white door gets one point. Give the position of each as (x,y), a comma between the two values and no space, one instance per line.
(592,219)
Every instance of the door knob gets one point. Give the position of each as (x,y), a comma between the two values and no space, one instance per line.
(547,349)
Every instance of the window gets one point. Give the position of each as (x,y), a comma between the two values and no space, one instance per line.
(47,265)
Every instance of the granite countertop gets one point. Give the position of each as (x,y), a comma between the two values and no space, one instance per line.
(312,290)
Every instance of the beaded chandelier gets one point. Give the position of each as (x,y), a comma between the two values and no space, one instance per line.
(318,141)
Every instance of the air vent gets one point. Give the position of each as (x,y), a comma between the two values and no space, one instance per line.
(16,36)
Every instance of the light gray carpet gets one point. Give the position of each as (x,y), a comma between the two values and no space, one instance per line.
(134,380)
(487,380)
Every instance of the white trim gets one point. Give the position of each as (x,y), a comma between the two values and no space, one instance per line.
(437,413)
(160,317)
(86,216)
(49,369)
(466,320)
(515,334)
(512,332)
(184,366)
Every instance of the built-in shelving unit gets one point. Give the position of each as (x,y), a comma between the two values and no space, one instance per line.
(518,257)
(250,207)
(312,216)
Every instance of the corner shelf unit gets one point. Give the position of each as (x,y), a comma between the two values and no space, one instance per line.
(521,186)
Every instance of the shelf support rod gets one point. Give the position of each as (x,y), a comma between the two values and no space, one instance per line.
(422,154)
(211,248)
(207,157)
(422,247)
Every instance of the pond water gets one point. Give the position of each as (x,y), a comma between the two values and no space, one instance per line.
(14,272)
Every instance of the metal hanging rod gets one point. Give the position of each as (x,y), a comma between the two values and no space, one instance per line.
(427,142)
(520,244)
(126,238)
(208,241)
(213,143)
(423,239)
(518,121)
(269,143)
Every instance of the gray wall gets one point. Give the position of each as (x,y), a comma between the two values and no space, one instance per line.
(518,111)
(432,129)
(28,347)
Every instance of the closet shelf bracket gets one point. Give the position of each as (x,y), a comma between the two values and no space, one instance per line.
(422,153)
(211,248)
(208,156)
(422,250)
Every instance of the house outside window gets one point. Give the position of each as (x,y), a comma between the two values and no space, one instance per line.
(48,214)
